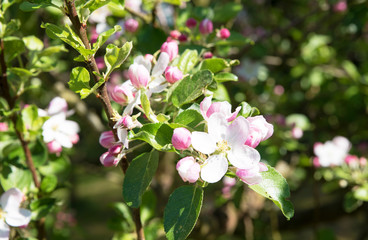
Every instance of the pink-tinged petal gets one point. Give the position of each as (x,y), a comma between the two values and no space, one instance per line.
(4,230)
(343,143)
(220,107)
(316,162)
(234,114)
(262,167)
(107,139)
(69,127)
(18,218)
(217,126)
(237,132)
(128,110)
(205,105)
(157,85)
(139,75)
(254,137)
(161,64)
(11,199)
(108,160)
(54,147)
(63,139)
(214,168)
(143,61)
(250,176)
(181,138)
(243,157)
(188,169)
(318,148)
(123,136)
(203,142)
(57,105)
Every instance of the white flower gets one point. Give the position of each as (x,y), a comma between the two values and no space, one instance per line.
(332,153)
(58,129)
(226,141)
(10,213)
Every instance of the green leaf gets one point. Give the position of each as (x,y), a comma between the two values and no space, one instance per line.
(275,188)
(148,206)
(93,5)
(138,177)
(28,6)
(226,12)
(187,60)
(225,77)
(41,207)
(221,93)
(102,38)
(11,27)
(13,46)
(39,153)
(33,43)
(351,203)
(22,73)
(5,4)
(59,166)
(215,64)
(146,105)
(12,176)
(182,211)
(175,2)
(247,110)
(190,88)
(115,56)
(50,51)
(158,135)
(361,193)
(48,183)
(79,80)
(191,118)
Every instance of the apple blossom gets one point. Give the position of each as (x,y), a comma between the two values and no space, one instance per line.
(100,15)
(131,25)
(58,129)
(108,159)
(173,74)
(57,105)
(107,139)
(260,130)
(123,125)
(123,94)
(134,4)
(175,34)
(4,127)
(171,48)
(10,212)
(332,153)
(54,147)
(149,57)
(181,138)
(206,26)
(226,142)
(208,108)
(252,176)
(191,23)
(115,150)
(207,55)
(224,33)
(188,169)
(340,6)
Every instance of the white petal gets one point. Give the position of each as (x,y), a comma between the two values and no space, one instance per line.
(18,218)
(237,132)
(214,168)
(129,108)
(4,230)
(141,60)
(63,139)
(205,105)
(217,126)
(69,127)
(11,199)
(157,85)
(243,156)
(161,64)
(203,142)
(123,136)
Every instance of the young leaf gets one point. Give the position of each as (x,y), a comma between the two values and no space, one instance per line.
(138,177)
(93,5)
(115,56)
(190,88)
(158,135)
(275,188)
(102,38)
(192,118)
(79,80)
(182,211)
(187,60)
(33,43)
(215,64)
(13,46)
(225,77)
(28,6)
(41,207)
(48,183)
(12,176)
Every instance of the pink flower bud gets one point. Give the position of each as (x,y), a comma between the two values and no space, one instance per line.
(296,132)
(173,74)
(107,159)
(278,90)
(316,163)
(122,94)
(149,57)
(363,161)
(188,169)
(259,130)
(4,127)
(115,150)
(171,48)
(54,147)
(207,55)
(100,62)
(181,138)
(74,138)
(175,34)
(340,6)
(191,23)
(107,139)
(126,122)
(206,26)
(139,75)
(224,33)
(131,25)
(183,38)
(57,105)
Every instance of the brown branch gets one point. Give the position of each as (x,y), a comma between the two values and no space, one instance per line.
(102,96)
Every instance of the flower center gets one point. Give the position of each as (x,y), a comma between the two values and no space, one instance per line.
(222,146)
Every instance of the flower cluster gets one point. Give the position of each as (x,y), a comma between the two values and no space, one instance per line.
(228,145)
(331,153)
(57,131)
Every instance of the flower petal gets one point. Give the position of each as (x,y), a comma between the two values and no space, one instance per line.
(205,105)
(18,218)
(4,230)
(243,157)
(214,168)
(161,64)
(203,142)
(123,136)
(237,132)
(217,126)
(157,85)
(128,110)
(142,61)
(11,199)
